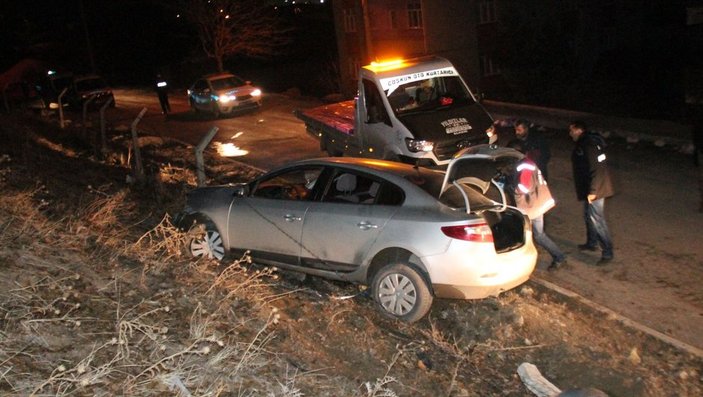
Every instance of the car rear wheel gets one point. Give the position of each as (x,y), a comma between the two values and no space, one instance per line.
(205,242)
(401,292)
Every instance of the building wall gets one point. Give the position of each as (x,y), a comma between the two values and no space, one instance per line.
(447,28)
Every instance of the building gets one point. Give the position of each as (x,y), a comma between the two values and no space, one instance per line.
(625,56)
(375,30)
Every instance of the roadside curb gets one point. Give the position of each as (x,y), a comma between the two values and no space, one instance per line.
(622,319)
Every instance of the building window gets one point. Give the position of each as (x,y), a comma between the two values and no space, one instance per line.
(414,15)
(393,17)
(488,68)
(487,11)
(349,20)
(354,65)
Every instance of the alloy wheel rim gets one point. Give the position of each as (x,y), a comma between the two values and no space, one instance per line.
(397,294)
(209,246)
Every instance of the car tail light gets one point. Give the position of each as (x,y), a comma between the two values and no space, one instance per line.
(478,233)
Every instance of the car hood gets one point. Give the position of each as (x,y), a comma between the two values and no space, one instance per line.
(480,164)
(243,90)
(450,123)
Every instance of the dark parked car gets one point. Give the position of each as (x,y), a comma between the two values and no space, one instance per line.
(410,233)
(86,87)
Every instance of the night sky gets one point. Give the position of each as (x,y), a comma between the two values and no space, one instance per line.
(132,40)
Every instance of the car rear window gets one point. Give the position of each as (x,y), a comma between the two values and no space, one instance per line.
(90,84)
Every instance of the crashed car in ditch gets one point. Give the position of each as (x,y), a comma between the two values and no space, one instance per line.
(409,233)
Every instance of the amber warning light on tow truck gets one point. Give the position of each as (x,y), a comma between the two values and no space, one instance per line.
(386,65)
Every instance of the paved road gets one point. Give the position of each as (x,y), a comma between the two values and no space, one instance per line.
(271,136)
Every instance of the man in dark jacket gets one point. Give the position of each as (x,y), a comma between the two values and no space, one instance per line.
(593,185)
(536,147)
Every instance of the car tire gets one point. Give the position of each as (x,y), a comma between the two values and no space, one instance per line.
(401,292)
(205,241)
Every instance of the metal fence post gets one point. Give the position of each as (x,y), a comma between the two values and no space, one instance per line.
(85,114)
(61,119)
(199,162)
(135,142)
(103,138)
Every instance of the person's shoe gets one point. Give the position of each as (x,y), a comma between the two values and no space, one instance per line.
(556,265)
(586,247)
(604,261)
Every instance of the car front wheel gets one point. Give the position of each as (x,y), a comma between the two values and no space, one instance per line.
(401,292)
(206,242)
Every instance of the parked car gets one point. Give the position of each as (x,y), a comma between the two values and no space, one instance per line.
(83,88)
(223,93)
(51,86)
(410,233)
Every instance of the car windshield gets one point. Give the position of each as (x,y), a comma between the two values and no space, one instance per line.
(227,83)
(91,84)
(429,94)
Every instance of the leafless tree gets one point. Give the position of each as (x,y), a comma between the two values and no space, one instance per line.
(235,27)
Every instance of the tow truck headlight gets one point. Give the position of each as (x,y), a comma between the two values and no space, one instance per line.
(415,145)
(256,92)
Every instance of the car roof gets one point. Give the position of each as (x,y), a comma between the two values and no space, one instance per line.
(88,77)
(215,76)
(380,166)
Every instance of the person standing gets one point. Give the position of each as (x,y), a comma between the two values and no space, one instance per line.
(593,186)
(162,92)
(536,147)
(532,196)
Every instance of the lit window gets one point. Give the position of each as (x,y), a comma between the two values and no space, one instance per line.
(349,20)
(414,15)
(487,11)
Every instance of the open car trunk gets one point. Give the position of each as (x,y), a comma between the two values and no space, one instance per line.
(476,177)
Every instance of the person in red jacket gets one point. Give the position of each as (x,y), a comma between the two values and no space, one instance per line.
(532,196)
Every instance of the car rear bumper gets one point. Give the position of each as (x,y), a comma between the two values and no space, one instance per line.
(479,272)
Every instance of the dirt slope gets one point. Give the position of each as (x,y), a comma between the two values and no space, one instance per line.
(97,300)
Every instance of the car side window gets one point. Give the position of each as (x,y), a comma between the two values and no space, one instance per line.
(296,184)
(358,188)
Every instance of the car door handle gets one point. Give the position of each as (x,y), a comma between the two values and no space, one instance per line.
(291,218)
(366,225)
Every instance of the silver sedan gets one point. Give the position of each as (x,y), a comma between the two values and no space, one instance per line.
(409,233)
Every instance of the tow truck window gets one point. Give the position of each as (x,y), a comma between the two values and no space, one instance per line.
(375,111)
